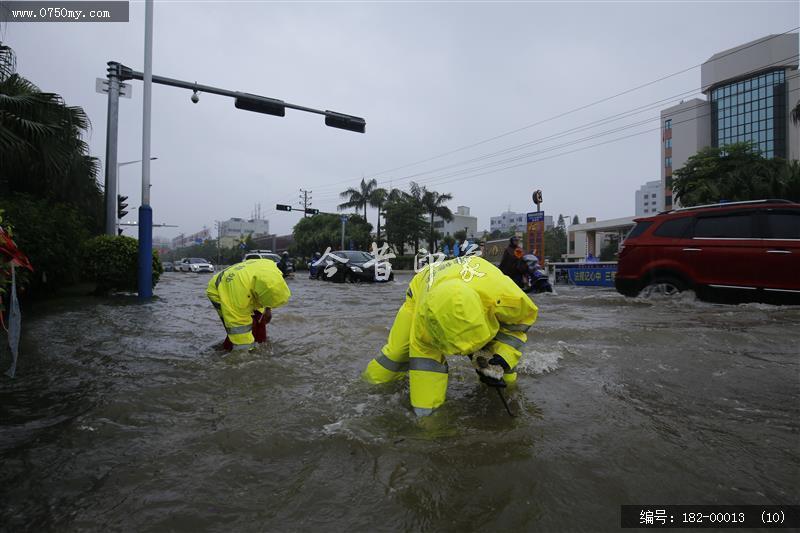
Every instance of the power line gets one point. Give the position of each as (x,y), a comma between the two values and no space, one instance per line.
(455,175)
(573,151)
(575,110)
(591,125)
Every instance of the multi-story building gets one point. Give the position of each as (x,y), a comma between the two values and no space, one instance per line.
(462,221)
(750,91)
(234,229)
(182,240)
(511,221)
(648,198)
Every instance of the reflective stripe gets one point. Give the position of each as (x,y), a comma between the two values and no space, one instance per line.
(239,347)
(421,411)
(510,340)
(516,327)
(392,366)
(428,365)
(238,330)
(219,278)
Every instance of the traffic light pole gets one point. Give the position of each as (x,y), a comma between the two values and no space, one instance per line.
(248,102)
(112,126)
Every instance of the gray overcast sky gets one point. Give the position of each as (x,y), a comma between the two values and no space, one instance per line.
(428,79)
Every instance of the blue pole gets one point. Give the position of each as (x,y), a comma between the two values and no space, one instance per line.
(145,270)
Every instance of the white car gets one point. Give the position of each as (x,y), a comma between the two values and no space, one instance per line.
(261,254)
(196,265)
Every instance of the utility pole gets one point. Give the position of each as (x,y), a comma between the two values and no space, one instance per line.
(111,147)
(219,251)
(306,200)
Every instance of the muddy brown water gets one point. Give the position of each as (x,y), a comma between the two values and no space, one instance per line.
(125,417)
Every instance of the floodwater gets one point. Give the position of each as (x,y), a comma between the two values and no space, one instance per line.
(125,417)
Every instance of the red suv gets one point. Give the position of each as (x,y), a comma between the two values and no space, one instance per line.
(747,251)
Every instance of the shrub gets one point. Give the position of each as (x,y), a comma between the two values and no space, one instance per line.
(112,262)
(49,234)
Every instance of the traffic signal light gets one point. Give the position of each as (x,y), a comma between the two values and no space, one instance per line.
(345,122)
(121,205)
(310,211)
(260,104)
(283,207)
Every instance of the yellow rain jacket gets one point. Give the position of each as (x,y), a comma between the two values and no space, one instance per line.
(456,307)
(241,289)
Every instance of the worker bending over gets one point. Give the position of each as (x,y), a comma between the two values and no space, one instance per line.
(463,306)
(243,295)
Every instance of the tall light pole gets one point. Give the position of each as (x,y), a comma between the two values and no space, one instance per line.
(119,193)
(145,276)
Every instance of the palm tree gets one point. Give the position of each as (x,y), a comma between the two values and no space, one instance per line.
(434,206)
(42,151)
(796,114)
(358,198)
(378,197)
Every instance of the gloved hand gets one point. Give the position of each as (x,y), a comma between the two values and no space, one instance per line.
(260,325)
(490,371)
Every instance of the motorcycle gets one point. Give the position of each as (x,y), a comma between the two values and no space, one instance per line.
(535,279)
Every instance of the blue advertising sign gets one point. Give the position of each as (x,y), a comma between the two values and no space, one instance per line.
(592,275)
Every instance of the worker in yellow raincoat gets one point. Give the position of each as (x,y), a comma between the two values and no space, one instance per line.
(463,306)
(243,295)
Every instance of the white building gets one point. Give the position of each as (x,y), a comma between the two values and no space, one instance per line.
(649,199)
(183,240)
(511,221)
(462,220)
(750,91)
(162,242)
(233,229)
(589,238)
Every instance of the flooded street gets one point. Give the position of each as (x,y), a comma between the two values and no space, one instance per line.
(125,417)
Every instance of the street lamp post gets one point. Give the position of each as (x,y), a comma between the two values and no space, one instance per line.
(120,165)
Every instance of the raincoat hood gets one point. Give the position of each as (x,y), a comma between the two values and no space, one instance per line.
(455,318)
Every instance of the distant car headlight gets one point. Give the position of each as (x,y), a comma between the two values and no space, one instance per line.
(195,268)
(356,269)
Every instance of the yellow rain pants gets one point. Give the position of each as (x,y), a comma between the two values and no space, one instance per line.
(241,289)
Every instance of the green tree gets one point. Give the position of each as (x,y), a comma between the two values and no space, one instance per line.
(51,235)
(576,220)
(42,151)
(609,250)
(358,198)
(735,172)
(377,199)
(405,221)
(433,202)
(555,240)
(316,233)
